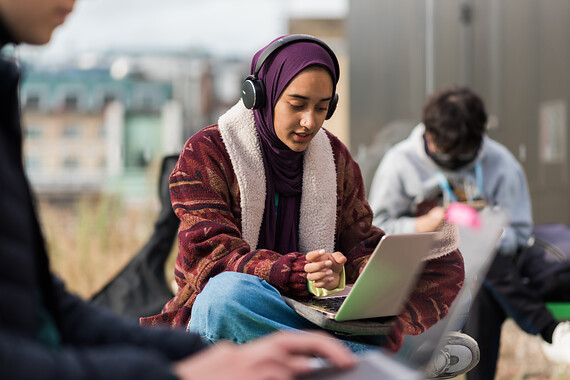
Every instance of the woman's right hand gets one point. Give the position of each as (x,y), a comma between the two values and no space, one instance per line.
(324,268)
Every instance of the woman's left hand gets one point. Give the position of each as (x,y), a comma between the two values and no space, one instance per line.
(324,268)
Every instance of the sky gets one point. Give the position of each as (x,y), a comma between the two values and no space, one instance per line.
(227,27)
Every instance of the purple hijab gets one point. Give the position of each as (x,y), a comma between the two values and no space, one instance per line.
(283,167)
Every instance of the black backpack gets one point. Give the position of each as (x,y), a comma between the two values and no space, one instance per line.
(545,264)
(140,289)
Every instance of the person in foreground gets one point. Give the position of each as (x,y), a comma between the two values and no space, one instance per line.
(448,158)
(48,333)
(271,204)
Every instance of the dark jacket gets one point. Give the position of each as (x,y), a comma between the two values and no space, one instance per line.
(87,342)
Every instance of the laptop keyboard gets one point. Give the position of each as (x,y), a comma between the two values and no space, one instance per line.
(329,304)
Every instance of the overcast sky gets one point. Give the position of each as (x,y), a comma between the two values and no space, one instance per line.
(221,26)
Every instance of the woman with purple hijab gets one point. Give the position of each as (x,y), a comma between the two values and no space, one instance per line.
(271,204)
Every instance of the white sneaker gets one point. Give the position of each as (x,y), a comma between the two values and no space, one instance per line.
(559,350)
(459,354)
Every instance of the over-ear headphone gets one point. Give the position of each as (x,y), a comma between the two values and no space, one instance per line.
(253,89)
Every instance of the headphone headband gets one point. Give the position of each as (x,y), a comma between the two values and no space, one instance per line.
(253,89)
(277,44)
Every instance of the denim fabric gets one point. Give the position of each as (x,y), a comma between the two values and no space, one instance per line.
(241,307)
(515,313)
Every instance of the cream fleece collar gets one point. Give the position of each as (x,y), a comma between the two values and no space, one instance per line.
(447,241)
(318,200)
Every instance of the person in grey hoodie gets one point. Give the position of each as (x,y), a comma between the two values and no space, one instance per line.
(449,157)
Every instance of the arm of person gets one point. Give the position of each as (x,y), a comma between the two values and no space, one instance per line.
(85,324)
(512,195)
(281,355)
(206,198)
(25,358)
(287,354)
(431,221)
(95,344)
(388,199)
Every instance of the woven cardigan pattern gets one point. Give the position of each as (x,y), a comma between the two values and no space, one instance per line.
(218,192)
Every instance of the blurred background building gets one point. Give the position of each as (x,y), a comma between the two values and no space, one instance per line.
(98,124)
(100,121)
(514,53)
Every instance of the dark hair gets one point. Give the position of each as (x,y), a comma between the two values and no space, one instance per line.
(455,118)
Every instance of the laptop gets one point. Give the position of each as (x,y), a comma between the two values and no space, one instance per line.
(478,247)
(379,292)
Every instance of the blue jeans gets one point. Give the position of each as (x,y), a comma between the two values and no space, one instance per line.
(241,307)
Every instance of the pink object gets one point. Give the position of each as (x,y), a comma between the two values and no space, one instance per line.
(462,215)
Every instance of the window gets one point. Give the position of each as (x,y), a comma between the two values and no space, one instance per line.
(71,131)
(71,102)
(72,97)
(34,97)
(32,102)
(105,94)
(147,98)
(33,131)
(70,162)
(147,102)
(108,98)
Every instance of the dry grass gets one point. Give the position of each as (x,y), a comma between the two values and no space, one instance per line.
(90,241)
(521,357)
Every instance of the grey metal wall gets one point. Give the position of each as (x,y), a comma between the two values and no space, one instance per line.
(514,53)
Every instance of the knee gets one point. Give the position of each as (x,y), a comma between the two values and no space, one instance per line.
(227,293)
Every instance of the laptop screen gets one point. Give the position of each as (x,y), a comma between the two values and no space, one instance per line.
(478,247)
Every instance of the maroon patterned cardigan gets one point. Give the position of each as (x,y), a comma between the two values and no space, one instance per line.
(217,190)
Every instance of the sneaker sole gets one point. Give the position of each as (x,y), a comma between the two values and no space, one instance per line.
(466,344)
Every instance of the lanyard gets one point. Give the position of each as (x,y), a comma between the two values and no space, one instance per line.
(479,177)
(444,183)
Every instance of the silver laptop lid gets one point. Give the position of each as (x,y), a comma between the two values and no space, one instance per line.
(387,280)
(478,247)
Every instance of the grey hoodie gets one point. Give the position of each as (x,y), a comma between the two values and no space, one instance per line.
(407,176)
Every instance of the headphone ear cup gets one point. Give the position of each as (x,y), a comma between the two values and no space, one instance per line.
(253,93)
(332,106)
